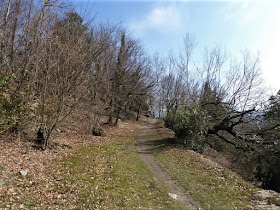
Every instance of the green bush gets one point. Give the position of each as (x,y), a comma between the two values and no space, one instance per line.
(190,124)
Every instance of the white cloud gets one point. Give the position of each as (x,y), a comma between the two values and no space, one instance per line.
(270,53)
(165,19)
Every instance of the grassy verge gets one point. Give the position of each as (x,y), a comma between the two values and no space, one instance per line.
(108,177)
(213,186)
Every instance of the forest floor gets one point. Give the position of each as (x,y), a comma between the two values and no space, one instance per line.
(137,165)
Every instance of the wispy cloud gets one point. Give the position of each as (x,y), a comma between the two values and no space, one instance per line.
(164,19)
(242,12)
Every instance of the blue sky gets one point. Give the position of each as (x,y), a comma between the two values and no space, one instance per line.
(236,24)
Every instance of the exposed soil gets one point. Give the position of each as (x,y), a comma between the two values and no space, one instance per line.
(161,174)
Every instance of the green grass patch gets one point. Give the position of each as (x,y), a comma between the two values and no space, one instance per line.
(110,177)
(213,186)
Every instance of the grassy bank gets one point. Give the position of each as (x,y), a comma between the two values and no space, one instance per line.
(213,186)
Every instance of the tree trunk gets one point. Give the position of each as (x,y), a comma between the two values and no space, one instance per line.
(110,120)
(139,110)
(117,117)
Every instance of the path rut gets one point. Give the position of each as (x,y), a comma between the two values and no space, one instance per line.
(161,174)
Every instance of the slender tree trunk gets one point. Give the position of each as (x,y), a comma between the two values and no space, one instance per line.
(110,120)
(139,110)
(118,116)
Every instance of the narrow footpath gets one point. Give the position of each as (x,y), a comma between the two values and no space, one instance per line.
(144,149)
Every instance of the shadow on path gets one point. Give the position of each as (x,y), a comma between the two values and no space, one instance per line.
(156,145)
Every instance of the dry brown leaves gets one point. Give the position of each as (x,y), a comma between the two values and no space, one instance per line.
(34,189)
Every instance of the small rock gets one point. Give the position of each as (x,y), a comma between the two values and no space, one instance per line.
(265,194)
(268,199)
(173,196)
(23,173)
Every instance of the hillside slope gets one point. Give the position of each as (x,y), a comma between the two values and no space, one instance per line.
(137,165)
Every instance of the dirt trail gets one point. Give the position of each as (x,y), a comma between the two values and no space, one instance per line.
(161,174)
